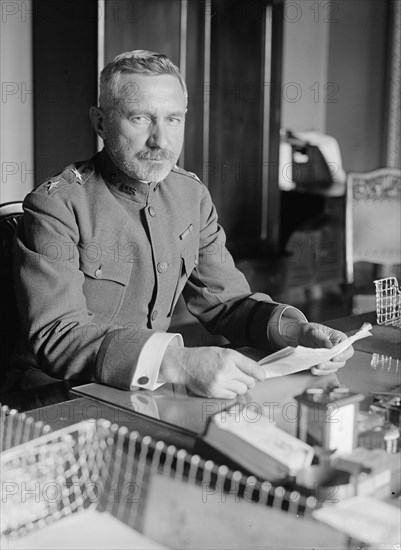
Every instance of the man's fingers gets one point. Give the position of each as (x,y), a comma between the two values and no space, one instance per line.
(222,393)
(248,381)
(317,371)
(219,372)
(230,390)
(332,365)
(327,368)
(250,367)
(238,387)
(337,336)
(320,336)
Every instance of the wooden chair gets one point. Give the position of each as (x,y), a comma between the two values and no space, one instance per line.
(9,215)
(373,227)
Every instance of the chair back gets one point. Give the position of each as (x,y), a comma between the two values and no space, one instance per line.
(9,215)
(373,218)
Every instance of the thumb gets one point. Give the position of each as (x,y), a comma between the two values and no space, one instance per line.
(326,342)
(322,336)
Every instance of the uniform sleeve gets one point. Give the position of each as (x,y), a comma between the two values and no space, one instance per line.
(218,294)
(66,339)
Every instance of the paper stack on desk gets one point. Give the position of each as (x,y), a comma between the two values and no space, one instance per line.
(290,360)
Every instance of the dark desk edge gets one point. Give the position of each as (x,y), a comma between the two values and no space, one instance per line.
(42,396)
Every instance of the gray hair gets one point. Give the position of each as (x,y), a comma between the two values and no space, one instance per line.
(134,62)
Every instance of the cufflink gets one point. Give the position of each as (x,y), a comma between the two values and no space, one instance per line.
(142,380)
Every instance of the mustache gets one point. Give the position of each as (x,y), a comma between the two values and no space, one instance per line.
(156,154)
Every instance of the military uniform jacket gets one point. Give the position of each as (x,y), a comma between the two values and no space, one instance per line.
(101,260)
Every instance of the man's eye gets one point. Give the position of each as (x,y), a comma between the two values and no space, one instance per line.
(140,119)
(173,121)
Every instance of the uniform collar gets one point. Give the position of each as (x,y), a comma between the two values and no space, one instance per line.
(119,181)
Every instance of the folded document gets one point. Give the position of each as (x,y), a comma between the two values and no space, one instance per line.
(290,360)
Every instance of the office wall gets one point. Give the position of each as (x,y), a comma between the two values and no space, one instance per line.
(16,145)
(341,42)
(305,65)
(335,53)
(357,63)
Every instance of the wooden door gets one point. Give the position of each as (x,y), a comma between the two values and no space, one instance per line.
(65,83)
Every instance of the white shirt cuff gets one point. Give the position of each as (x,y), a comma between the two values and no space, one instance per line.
(150,359)
(274,328)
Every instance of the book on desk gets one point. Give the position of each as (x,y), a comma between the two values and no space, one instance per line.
(256,444)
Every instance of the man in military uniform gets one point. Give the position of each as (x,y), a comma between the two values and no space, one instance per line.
(105,249)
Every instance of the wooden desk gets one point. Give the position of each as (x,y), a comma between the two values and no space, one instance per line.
(175,406)
(178,418)
(173,415)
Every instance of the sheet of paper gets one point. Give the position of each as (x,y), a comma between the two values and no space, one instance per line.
(287,361)
(366,519)
(87,529)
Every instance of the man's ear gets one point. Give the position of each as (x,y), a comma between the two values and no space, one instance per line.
(97,117)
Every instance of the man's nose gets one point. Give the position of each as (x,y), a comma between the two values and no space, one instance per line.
(158,136)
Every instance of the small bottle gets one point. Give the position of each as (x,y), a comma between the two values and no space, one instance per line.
(391,438)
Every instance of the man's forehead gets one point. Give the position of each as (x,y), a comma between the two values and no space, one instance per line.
(132,87)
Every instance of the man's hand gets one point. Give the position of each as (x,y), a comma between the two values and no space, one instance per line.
(211,371)
(314,335)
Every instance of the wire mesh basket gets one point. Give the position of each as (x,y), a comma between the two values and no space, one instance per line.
(17,428)
(388,302)
(50,477)
(102,465)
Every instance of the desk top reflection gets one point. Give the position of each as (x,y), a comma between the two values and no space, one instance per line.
(171,407)
(365,373)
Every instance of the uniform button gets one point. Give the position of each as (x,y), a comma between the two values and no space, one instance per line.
(151,211)
(155,313)
(99,273)
(196,261)
(142,380)
(162,267)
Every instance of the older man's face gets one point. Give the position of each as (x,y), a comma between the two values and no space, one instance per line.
(145,129)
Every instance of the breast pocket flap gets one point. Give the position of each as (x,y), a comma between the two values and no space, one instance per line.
(105,267)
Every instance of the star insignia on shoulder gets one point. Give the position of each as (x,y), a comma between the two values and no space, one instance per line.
(52,184)
(77,175)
